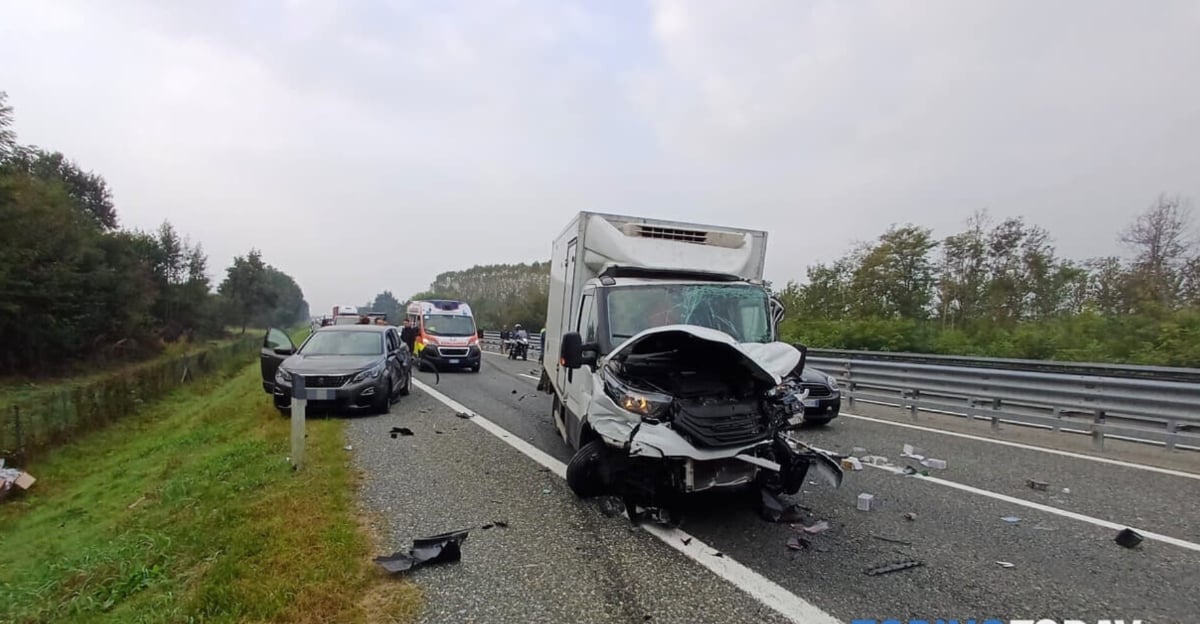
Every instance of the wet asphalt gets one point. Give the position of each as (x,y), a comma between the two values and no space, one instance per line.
(561,560)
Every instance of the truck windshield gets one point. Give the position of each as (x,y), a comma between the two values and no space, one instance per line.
(344,343)
(740,310)
(449,325)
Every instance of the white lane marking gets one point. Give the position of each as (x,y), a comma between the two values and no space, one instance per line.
(1030,447)
(529,377)
(766,591)
(1166,539)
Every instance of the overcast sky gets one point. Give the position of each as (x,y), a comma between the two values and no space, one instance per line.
(365,146)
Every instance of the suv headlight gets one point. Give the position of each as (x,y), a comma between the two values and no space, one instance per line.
(649,405)
(372,373)
(282,375)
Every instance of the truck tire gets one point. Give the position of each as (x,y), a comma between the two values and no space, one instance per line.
(584,470)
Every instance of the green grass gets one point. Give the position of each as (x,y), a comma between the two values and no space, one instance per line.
(190,512)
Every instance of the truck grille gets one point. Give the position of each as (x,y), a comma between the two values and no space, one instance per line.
(452,351)
(818,391)
(325,381)
(720,424)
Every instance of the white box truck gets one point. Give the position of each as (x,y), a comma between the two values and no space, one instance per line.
(664,365)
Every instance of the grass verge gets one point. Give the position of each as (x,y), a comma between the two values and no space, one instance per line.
(190,512)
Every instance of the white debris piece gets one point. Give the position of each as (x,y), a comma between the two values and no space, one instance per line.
(864,501)
(912,451)
(875,460)
(936,464)
(851,463)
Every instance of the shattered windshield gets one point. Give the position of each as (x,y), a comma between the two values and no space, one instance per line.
(740,310)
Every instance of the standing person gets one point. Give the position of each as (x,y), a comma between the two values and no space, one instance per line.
(408,335)
(504,335)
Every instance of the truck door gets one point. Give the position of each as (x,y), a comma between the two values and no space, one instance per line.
(579,382)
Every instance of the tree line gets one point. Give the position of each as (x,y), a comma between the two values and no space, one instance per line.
(999,288)
(75,287)
(499,294)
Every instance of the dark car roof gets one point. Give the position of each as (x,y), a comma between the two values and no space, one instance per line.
(361,328)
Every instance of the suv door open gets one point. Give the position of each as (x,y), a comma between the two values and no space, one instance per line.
(276,348)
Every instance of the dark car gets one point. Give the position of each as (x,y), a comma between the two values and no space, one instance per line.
(824,400)
(350,367)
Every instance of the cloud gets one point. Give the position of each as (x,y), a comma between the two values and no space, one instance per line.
(370,145)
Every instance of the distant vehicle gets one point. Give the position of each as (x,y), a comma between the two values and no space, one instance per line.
(824,400)
(362,367)
(446,334)
(345,315)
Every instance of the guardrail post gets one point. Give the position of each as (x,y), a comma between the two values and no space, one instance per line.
(915,395)
(1098,430)
(299,402)
(996,404)
(1172,431)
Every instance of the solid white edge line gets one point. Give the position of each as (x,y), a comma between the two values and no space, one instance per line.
(529,376)
(1028,447)
(752,583)
(1166,539)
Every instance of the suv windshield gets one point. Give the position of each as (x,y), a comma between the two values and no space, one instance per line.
(344,343)
(740,310)
(449,325)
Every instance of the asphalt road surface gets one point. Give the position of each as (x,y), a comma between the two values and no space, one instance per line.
(562,560)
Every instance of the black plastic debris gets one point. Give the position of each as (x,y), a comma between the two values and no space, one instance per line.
(893,567)
(686,541)
(444,548)
(404,431)
(1128,538)
(487,526)
(891,540)
(1034,484)
(500,524)
(774,510)
(611,506)
(909,470)
(463,415)
(514,391)
(719,554)
(796,542)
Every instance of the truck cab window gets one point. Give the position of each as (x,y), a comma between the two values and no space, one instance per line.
(587,318)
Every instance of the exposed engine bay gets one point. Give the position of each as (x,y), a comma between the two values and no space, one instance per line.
(685,409)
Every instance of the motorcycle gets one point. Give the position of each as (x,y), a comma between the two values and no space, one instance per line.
(518,347)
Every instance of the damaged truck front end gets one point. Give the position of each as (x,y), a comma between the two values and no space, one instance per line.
(683,408)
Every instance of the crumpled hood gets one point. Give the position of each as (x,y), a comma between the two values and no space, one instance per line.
(329,364)
(772,360)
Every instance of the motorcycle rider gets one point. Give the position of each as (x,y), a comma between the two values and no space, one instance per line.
(519,334)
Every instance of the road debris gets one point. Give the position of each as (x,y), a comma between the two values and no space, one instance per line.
(864,501)
(796,542)
(817,527)
(136,502)
(1006,564)
(12,479)
(910,516)
(1011,519)
(891,540)
(686,541)
(514,391)
(936,464)
(1066,491)
(444,548)
(1034,484)
(348,447)
(851,463)
(912,451)
(858,451)
(400,431)
(462,415)
(774,510)
(718,554)
(500,524)
(874,460)
(908,471)
(1128,538)
(893,567)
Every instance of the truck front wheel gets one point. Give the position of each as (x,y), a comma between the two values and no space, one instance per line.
(586,469)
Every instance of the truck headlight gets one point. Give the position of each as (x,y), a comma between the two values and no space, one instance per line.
(649,405)
(282,375)
(372,373)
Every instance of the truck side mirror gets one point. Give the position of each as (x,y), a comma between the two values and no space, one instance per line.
(803,356)
(570,353)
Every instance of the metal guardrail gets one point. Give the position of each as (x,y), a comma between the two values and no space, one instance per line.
(1156,405)
(491,340)
(1142,410)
